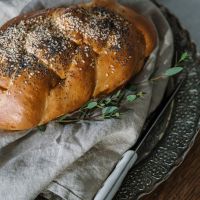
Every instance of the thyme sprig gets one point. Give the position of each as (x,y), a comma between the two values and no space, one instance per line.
(174,70)
(109,107)
(104,108)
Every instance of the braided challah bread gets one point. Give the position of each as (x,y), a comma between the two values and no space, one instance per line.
(53,61)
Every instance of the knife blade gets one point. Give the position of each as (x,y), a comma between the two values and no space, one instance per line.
(114,181)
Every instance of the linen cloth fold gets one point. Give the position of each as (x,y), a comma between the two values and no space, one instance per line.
(71,162)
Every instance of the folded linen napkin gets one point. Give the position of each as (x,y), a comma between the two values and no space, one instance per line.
(72,162)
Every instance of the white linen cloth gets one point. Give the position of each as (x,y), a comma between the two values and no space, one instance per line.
(72,161)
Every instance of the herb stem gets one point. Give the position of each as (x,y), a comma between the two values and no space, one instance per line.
(99,106)
(68,121)
(158,78)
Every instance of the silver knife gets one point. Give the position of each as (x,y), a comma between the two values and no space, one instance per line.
(114,181)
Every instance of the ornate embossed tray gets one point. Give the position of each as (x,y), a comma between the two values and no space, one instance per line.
(177,129)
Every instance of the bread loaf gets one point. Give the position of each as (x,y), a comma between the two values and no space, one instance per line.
(53,61)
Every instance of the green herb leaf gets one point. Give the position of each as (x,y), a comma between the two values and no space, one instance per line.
(184,57)
(117,114)
(117,94)
(173,71)
(108,100)
(42,128)
(62,118)
(109,110)
(91,105)
(131,88)
(131,98)
(140,94)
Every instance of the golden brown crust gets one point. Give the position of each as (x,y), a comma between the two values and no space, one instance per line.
(53,61)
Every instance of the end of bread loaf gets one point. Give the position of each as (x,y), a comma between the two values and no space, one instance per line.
(53,61)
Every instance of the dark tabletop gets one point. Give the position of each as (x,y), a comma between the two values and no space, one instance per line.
(184,183)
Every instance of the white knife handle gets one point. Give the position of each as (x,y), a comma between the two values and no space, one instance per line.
(114,181)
